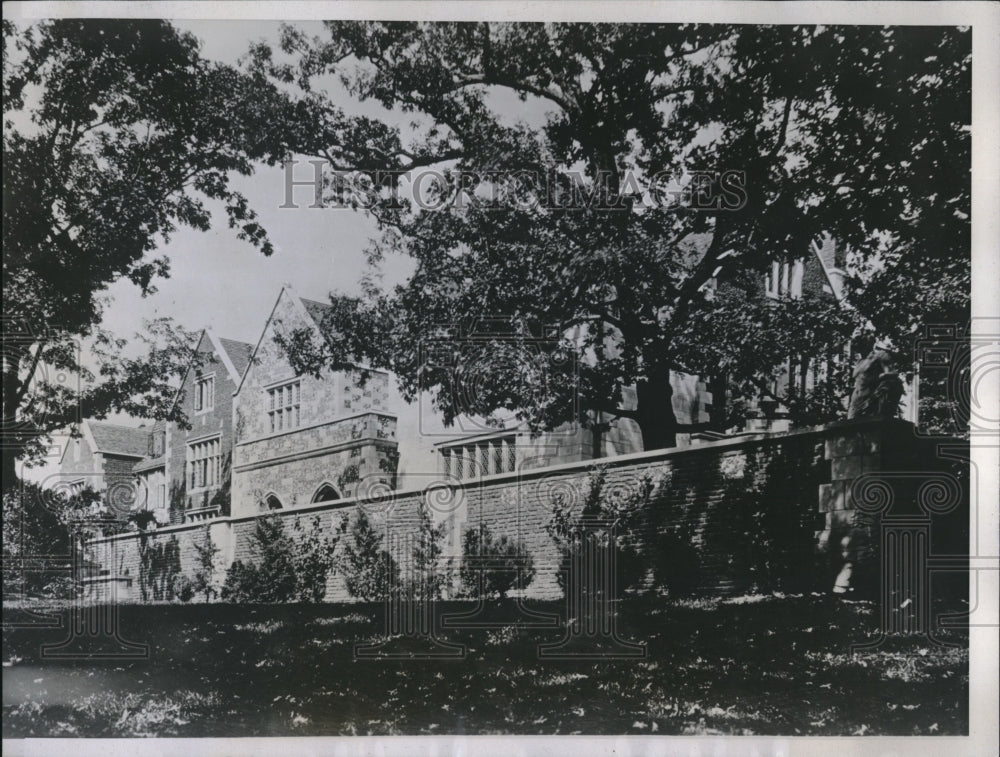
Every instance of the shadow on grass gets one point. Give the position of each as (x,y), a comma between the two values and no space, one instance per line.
(761,665)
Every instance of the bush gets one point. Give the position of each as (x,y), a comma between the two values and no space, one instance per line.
(272,578)
(183,588)
(288,569)
(313,560)
(621,514)
(369,570)
(492,566)
(205,554)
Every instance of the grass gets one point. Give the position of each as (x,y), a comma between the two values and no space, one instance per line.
(764,666)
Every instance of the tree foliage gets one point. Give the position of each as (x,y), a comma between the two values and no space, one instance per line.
(116,132)
(41,530)
(860,133)
(429,579)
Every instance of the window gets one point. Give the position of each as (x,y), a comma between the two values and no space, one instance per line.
(484,458)
(272,502)
(784,279)
(283,407)
(325,493)
(204,394)
(204,461)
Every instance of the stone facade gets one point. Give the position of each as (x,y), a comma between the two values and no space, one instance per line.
(465,458)
(197,490)
(298,437)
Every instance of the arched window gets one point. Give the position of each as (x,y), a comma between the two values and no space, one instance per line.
(325,493)
(272,502)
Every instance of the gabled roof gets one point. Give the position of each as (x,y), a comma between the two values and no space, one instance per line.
(151,463)
(315,309)
(239,355)
(112,439)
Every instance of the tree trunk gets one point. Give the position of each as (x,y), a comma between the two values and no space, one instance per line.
(655,411)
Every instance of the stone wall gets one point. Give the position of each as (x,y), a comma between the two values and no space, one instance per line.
(742,507)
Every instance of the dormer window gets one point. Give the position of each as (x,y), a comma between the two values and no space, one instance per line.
(204,394)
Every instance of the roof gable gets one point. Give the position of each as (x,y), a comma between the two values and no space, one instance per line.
(315,309)
(112,439)
(239,355)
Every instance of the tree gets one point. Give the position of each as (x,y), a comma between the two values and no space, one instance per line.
(206,553)
(770,137)
(271,578)
(313,559)
(429,580)
(115,132)
(369,571)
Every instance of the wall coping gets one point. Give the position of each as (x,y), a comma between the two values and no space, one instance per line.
(729,443)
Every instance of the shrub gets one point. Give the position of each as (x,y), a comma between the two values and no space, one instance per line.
(568,527)
(369,570)
(183,588)
(272,577)
(313,560)
(492,566)
(289,568)
(205,554)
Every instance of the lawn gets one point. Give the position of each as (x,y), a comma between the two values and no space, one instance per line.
(752,665)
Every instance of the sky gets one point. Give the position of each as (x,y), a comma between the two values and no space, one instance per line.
(220,282)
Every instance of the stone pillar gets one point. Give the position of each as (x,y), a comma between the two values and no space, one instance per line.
(220,534)
(854,449)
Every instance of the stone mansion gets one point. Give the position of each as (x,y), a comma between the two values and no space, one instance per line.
(260,437)
(263,438)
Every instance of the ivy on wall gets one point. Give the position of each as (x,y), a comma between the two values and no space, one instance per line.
(159,567)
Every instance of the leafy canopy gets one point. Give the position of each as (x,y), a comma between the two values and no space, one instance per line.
(860,133)
(115,132)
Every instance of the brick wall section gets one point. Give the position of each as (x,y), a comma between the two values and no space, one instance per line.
(218,420)
(702,479)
